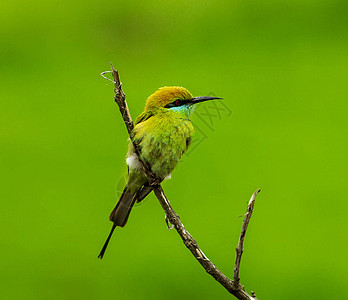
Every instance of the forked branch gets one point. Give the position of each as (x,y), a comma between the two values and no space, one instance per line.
(232,286)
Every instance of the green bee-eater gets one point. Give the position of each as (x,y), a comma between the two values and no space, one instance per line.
(163,133)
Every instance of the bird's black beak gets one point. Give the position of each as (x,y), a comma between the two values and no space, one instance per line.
(202,99)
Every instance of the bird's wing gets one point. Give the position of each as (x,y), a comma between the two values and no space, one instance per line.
(135,136)
(143,117)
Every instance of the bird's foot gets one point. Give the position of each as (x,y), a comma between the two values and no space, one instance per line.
(169,225)
(155,182)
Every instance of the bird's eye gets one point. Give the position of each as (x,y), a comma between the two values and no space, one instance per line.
(178,102)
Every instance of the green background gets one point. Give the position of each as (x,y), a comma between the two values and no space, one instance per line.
(281,67)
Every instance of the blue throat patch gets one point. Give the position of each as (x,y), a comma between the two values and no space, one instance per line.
(185,110)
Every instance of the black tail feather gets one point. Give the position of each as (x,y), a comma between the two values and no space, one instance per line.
(101,254)
(120,213)
(144,192)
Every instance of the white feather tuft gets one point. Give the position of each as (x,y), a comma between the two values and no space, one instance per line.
(168,177)
(133,162)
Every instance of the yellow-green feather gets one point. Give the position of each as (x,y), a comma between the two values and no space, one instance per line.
(162,134)
(165,95)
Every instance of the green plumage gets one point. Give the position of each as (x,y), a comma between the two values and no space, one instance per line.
(163,132)
(163,139)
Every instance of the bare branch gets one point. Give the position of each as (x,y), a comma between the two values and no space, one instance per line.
(239,249)
(192,245)
(171,216)
(120,99)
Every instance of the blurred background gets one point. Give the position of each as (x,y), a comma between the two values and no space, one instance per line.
(281,68)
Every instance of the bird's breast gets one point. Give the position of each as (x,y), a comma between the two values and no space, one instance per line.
(162,142)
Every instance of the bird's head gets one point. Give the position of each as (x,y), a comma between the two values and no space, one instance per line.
(174,98)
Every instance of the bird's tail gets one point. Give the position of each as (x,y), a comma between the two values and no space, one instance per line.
(120,214)
(101,254)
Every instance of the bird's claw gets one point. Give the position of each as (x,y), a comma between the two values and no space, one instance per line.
(169,225)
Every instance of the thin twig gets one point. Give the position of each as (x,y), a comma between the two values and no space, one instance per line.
(120,99)
(172,217)
(102,74)
(239,249)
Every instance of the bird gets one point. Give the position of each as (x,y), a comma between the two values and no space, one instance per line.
(162,133)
